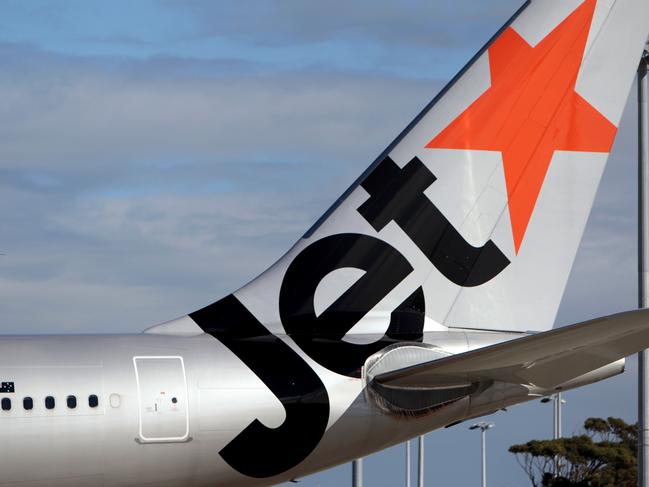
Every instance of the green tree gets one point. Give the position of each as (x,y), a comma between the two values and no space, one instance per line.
(604,456)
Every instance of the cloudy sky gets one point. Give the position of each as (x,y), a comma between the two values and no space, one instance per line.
(155,155)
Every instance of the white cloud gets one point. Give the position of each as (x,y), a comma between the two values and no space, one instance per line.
(177,189)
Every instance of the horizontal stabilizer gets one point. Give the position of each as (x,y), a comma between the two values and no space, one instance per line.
(545,360)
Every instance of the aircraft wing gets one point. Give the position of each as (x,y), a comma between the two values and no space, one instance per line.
(546,360)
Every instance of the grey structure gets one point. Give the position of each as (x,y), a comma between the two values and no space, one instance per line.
(407,463)
(483,426)
(357,473)
(420,463)
(643,265)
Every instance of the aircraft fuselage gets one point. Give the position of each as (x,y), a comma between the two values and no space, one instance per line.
(120,410)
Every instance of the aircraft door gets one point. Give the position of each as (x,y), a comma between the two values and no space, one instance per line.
(162,399)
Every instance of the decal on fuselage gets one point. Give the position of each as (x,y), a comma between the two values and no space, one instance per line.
(395,195)
(321,337)
(286,374)
(398,194)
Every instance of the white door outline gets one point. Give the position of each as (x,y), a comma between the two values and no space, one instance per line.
(185,436)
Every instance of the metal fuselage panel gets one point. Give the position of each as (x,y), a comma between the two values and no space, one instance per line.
(166,407)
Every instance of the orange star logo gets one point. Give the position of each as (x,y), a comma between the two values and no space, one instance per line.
(532,110)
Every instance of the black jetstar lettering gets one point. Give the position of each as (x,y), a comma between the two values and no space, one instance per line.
(286,374)
(395,195)
(398,194)
(321,337)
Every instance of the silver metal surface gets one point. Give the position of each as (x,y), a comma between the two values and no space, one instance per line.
(643,266)
(558,402)
(420,463)
(483,433)
(483,426)
(357,473)
(407,463)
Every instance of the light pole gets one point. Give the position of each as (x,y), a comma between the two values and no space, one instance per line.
(408,463)
(643,264)
(420,463)
(558,402)
(483,426)
(357,473)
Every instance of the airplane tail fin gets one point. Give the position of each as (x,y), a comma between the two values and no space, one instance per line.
(472,216)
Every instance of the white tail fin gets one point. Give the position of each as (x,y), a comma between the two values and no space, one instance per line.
(473,216)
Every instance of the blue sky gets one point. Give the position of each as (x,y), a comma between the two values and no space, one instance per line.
(270,36)
(158,154)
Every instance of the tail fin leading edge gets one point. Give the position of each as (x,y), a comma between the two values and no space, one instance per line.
(473,216)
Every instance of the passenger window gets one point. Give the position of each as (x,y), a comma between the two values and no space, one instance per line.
(72,402)
(93,401)
(49,402)
(6,404)
(28,403)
